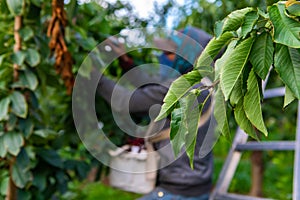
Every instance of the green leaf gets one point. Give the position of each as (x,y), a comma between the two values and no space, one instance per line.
(27,79)
(40,180)
(207,71)
(287,65)
(250,20)
(178,130)
(6,72)
(288,97)
(13,142)
(212,49)
(46,133)
(18,57)
(3,149)
(4,185)
(26,127)
(2,57)
(87,43)
(220,62)
(294,9)
(23,160)
(16,7)
(192,112)
(51,157)
(20,173)
(220,113)
(286,30)
(243,121)
(4,105)
(24,195)
(19,104)
(252,104)
(86,67)
(234,65)
(237,92)
(26,33)
(184,124)
(36,2)
(233,21)
(218,28)
(177,90)
(261,56)
(32,57)
(263,13)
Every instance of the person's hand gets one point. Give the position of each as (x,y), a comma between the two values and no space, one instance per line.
(118,47)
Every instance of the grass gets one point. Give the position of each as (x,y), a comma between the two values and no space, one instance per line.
(95,191)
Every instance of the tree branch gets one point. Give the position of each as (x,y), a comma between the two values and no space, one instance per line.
(18,43)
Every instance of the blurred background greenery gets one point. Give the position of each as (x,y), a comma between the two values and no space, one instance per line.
(55,163)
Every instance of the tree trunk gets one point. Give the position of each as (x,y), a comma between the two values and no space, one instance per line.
(12,189)
(92,175)
(257,173)
(18,43)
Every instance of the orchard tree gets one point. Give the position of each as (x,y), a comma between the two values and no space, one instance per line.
(256,42)
(42,45)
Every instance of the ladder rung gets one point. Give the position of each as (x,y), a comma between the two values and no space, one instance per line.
(231,196)
(279,146)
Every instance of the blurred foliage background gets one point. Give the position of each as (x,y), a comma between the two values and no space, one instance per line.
(43,158)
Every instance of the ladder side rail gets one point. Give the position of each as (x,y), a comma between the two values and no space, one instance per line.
(234,156)
(229,165)
(296,181)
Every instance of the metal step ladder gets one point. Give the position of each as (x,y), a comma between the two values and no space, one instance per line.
(241,144)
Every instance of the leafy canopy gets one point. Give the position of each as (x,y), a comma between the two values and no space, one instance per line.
(255,41)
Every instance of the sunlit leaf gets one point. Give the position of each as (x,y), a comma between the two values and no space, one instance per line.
(286,30)
(294,9)
(287,65)
(177,90)
(234,65)
(212,49)
(4,185)
(252,104)
(243,121)
(2,57)
(16,7)
(220,113)
(233,21)
(250,20)
(288,97)
(237,92)
(192,113)
(13,142)
(178,130)
(218,28)
(220,62)
(261,56)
